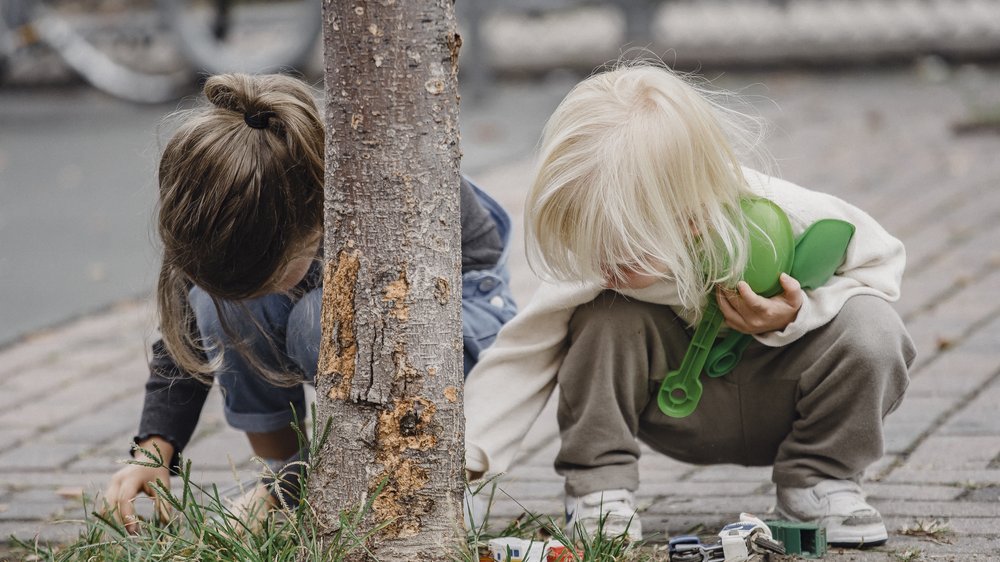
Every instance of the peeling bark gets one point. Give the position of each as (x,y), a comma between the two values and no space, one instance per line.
(337,345)
(390,371)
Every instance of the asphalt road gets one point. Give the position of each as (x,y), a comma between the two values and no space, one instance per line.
(77,191)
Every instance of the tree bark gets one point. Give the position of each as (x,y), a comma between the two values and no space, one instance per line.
(390,373)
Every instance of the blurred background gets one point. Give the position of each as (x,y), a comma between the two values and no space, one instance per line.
(86,84)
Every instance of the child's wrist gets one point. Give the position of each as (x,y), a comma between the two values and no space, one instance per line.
(154,443)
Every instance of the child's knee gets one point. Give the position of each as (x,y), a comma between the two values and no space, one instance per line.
(874,333)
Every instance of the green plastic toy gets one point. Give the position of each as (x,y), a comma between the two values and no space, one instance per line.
(819,251)
(772,250)
(801,539)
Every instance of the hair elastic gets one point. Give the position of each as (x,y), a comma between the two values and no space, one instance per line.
(258,120)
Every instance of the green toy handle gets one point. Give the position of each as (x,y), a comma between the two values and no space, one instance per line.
(681,390)
(724,357)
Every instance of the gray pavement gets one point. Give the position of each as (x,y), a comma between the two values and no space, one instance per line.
(70,395)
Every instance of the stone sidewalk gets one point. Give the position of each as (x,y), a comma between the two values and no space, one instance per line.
(70,397)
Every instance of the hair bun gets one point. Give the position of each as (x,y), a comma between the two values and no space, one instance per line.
(227,91)
(239,93)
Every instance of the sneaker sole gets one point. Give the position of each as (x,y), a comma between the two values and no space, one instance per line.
(858,537)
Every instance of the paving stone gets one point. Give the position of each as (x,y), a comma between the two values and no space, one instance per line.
(880,491)
(979,417)
(987,494)
(732,473)
(47,479)
(11,436)
(882,467)
(119,419)
(85,394)
(53,534)
(30,352)
(956,452)
(957,372)
(107,459)
(935,508)
(34,504)
(41,455)
(762,503)
(702,489)
(914,416)
(915,474)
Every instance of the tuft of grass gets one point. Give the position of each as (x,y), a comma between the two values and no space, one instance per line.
(908,555)
(201,526)
(934,530)
(198,523)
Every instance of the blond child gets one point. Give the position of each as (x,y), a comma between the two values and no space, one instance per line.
(633,221)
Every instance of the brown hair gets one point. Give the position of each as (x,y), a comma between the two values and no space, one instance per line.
(241,193)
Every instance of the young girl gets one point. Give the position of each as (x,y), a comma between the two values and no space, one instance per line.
(239,292)
(633,220)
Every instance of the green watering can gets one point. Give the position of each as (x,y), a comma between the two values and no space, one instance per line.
(819,251)
(822,247)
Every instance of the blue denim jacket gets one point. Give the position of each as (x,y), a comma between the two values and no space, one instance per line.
(487,303)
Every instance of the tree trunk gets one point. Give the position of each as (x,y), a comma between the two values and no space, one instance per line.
(390,373)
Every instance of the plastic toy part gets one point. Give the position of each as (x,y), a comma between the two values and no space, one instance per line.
(819,252)
(689,548)
(803,539)
(772,250)
(512,549)
(749,539)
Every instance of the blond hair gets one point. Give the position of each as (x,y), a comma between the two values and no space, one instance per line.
(241,194)
(635,165)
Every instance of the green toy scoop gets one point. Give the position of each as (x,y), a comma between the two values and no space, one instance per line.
(772,249)
(819,252)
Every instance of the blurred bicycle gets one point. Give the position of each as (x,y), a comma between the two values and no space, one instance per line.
(152,51)
(257,36)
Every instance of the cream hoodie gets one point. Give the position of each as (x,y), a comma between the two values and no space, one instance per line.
(514,378)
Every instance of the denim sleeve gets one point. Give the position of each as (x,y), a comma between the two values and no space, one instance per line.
(172,404)
(487,301)
(482,245)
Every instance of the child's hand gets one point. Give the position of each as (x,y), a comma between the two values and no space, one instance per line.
(750,313)
(126,484)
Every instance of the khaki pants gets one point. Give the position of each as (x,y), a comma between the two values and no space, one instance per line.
(812,409)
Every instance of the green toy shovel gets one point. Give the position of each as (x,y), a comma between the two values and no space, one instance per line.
(819,251)
(771,253)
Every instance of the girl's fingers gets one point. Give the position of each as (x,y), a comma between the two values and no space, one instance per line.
(750,299)
(793,291)
(125,509)
(732,316)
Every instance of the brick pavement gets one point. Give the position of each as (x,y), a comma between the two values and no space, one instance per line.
(70,397)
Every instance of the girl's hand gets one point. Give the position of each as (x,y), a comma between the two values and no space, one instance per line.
(750,313)
(126,484)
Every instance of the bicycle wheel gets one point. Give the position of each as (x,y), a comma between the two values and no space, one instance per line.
(255,36)
(121,48)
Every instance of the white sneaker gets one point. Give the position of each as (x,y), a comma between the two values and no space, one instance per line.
(840,507)
(610,513)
